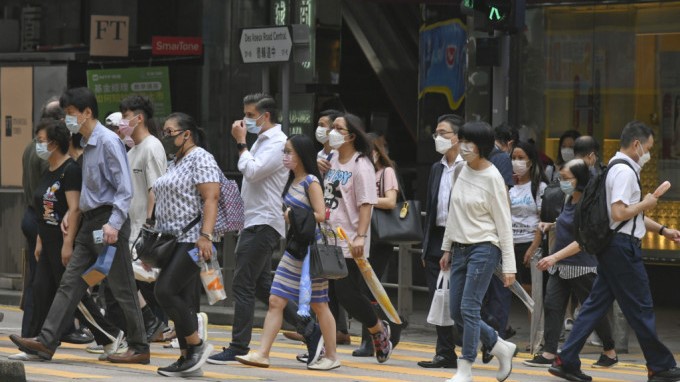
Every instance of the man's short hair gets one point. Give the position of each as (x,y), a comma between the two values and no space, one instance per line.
(634,131)
(263,103)
(505,133)
(80,98)
(584,145)
(454,120)
(137,103)
(53,111)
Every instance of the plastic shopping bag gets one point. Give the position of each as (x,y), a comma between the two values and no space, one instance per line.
(440,314)
(211,277)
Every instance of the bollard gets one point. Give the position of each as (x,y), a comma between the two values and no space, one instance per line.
(12,371)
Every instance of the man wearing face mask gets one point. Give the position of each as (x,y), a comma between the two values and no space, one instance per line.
(264,177)
(439,187)
(104,202)
(322,132)
(621,272)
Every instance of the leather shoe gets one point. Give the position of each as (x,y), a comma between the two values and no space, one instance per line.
(32,346)
(439,362)
(130,356)
(343,338)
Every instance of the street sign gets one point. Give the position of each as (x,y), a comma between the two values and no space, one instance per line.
(267,44)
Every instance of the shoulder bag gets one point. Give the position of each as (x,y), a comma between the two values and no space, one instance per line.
(155,248)
(401,224)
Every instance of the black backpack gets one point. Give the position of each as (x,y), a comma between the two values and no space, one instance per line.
(591,223)
(553,202)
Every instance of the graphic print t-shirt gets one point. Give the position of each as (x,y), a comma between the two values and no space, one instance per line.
(346,187)
(526,211)
(50,195)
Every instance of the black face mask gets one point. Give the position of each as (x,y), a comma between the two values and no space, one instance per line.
(169,145)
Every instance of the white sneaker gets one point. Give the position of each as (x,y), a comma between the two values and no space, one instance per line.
(325,364)
(119,345)
(174,344)
(95,349)
(25,357)
(202,325)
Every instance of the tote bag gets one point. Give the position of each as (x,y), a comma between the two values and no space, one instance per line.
(440,314)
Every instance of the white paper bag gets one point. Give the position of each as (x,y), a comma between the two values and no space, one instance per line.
(440,314)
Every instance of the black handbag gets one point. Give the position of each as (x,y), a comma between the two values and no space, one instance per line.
(155,248)
(401,224)
(326,260)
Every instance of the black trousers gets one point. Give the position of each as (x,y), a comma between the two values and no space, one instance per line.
(177,291)
(29,227)
(349,293)
(555,304)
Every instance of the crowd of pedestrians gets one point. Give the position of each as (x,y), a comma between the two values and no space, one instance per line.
(92,188)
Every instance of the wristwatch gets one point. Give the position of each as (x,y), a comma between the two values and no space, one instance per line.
(241,146)
(207,236)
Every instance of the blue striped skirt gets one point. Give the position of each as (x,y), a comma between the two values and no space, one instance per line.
(286,283)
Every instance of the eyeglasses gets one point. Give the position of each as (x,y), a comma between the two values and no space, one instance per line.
(168,132)
(36,140)
(561,179)
(340,128)
(441,134)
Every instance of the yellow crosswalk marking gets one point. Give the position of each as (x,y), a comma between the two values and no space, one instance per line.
(58,373)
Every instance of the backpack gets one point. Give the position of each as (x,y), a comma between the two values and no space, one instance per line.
(230,211)
(553,202)
(591,222)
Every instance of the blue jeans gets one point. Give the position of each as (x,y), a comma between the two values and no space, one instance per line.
(621,275)
(471,271)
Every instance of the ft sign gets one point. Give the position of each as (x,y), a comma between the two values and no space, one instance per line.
(109,35)
(262,45)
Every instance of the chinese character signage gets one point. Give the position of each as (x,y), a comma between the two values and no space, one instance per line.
(110,86)
(271,44)
(442,61)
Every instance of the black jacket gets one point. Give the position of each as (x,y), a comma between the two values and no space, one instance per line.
(302,231)
(432,243)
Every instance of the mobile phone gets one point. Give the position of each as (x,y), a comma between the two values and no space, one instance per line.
(98,236)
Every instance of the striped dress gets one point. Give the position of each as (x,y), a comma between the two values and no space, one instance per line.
(286,283)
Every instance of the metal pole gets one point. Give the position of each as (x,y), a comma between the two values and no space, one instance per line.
(404,291)
(501,74)
(285,96)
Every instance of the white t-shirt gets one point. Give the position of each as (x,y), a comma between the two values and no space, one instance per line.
(482,213)
(346,187)
(147,163)
(526,211)
(622,185)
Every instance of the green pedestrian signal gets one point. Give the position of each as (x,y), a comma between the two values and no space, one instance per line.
(494,14)
(503,15)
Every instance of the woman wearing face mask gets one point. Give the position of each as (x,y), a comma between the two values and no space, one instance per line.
(566,152)
(572,271)
(478,235)
(525,205)
(186,199)
(326,119)
(302,189)
(381,252)
(350,195)
(57,194)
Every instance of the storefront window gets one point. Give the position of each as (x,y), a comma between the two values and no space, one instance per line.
(595,68)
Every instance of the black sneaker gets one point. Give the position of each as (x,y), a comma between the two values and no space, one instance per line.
(670,375)
(304,357)
(382,344)
(539,361)
(314,341)
(569,375)
(196,357)
(486,354)
(172,370)
(226,355)
(605,361)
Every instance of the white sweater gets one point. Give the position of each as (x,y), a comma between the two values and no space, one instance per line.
(479,212)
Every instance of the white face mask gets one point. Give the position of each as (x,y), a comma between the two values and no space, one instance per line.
(520,167)
(72,124)
(644,158)
(442,145)
(321,134)
(567,153)
(335,139)
(41,150)
(467,151)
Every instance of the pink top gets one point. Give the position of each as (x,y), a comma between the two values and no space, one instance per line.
(390,180)
(346,187)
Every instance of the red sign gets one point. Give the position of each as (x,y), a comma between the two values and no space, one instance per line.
(176,46)
(450,55)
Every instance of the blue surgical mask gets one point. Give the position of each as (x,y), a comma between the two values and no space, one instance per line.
(42,151)
(567,187)
(251,124)
(72,124)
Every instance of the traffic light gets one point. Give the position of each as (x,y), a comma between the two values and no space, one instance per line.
(503,15)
